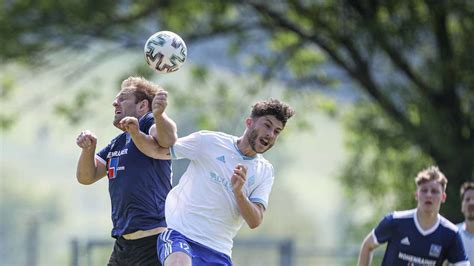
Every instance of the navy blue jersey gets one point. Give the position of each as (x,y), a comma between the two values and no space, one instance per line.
(409,244)
(138,184)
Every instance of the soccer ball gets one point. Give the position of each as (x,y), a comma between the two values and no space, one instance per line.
(165,52)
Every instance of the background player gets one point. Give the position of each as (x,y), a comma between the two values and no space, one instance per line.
(466,229)
(138,184)
(420,236)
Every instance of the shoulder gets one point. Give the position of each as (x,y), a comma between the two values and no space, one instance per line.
(264,161)
(448,225)
(406,214)
(216,137)
(461,226)
(214,134)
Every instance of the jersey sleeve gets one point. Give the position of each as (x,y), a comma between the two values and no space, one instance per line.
(457,254)
(101,156)
(187,147)
(384,230)
(262,192)
(146,122)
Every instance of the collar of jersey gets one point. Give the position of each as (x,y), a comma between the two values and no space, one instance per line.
(428,231)
(245,157)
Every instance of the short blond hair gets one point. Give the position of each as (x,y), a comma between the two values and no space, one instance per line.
(429,174)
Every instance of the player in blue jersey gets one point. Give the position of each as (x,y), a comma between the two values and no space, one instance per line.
(420,236)
(138,184)
(466,228)
(226,184)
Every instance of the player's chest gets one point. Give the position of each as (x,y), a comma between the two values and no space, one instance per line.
(413,245)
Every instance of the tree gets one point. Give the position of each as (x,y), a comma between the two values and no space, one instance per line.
(411,61)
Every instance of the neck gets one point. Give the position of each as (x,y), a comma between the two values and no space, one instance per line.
(245,148)
(469,226)
(426,219)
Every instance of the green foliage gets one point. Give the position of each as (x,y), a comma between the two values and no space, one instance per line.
(74,111)
(382,166)
(412,60)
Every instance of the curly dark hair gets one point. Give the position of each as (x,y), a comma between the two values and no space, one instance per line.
(280,110)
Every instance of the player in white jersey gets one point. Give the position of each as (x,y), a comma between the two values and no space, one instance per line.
(466,228)
(226,183)
(420,236)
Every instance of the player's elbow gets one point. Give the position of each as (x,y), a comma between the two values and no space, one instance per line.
(254,224)
(168,142)
(84,180)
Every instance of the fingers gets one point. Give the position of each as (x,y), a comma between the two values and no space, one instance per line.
(86,140)
(241,170)
(160,102)
(240,173)
(129,123)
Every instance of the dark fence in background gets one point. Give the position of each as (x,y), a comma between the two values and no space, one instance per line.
(246,252)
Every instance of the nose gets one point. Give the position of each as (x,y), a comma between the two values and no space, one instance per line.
(115,103)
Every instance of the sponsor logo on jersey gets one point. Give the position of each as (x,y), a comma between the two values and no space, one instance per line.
(405,241)
(435,250)
(117,153)
(415,260)
(113,167)
(215,178)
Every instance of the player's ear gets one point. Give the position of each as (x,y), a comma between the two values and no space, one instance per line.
(144,106)
(444,197)
(248,121)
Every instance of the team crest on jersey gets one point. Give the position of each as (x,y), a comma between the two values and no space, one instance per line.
(435,250)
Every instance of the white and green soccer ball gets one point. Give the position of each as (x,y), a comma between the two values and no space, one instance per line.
(165,52)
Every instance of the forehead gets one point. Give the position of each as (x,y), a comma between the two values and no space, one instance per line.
(125,92)
(272,120)
(430,184)
(469,193)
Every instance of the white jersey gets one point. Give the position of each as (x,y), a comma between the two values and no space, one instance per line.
(468,241)
(202,206)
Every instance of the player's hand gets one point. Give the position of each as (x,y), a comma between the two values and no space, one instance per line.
(238,178)
(159,103)
(86,140)
(129,124)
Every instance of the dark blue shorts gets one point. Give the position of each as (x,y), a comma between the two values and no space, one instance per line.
(172,241)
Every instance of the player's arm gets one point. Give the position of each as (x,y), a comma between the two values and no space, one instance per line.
(366,250)
(145,143)
(251,212)
(164,131)
(88,170)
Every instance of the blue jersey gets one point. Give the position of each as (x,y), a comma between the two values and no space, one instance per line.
(138,184)
(409,244)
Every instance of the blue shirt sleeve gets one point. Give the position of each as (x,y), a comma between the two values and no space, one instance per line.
(384,230)
(103,153)
(457,253)
(146,122)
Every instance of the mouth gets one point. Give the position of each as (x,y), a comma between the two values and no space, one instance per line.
(264,142)
(117,112)
(429,203)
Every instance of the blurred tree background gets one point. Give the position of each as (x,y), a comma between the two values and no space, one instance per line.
(406,67)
